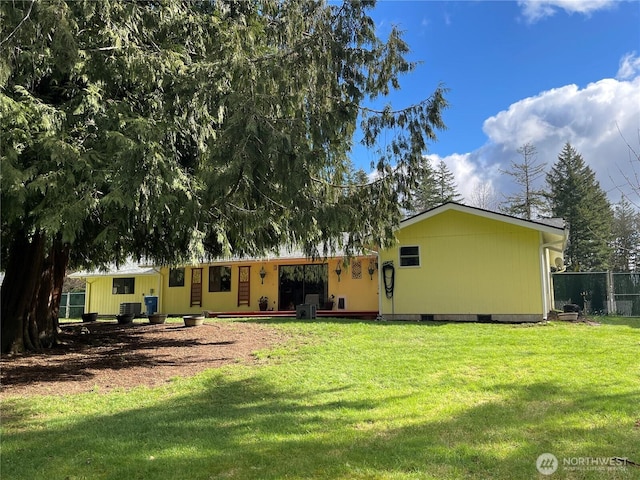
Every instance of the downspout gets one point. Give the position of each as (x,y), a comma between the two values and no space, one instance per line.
(87,296)
(544,271)
(379,284)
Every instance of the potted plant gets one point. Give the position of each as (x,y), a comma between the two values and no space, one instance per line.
(193,320)
(90,317)
(328,305)
(125,318)
(157,318)
(263,303)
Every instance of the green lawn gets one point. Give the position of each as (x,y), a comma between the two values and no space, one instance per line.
(358,400)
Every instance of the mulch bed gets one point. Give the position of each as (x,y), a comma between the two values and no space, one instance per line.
(101,356)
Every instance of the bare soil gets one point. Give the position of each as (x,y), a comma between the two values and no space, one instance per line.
(102,356)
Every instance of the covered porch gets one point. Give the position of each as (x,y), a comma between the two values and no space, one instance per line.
(357,314)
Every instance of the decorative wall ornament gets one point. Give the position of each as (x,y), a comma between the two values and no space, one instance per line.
(356,269)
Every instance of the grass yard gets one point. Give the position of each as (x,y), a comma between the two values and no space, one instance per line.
(359,400)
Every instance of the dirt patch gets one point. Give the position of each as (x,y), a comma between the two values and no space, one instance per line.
(105,355)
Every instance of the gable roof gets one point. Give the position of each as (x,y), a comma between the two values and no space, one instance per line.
(553,226)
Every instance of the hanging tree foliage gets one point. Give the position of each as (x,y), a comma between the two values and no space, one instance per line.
(174,130)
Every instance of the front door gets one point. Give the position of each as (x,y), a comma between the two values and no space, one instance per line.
(196,287)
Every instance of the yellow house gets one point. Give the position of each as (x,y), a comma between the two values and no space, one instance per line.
(456,262)
(232,287)
(453,262)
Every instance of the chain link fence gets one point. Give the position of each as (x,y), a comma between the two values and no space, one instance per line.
(71,305)
(599,293)
(626,294)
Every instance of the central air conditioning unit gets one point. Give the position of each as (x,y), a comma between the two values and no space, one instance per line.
(130,308)
(306,311)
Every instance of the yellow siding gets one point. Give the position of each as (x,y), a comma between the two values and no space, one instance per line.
(359,293)
(468,265)
(100,298)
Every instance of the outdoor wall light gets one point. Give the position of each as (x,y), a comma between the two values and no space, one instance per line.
(263,273)
(371,269)
(338,270)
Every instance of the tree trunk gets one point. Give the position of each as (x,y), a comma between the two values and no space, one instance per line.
(31,293)
(46,306)
(26,254)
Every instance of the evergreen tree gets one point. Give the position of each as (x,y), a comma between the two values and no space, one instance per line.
(179,130)
(626,237)
(529,202)
(576,196)
(424,196)
(437,186)
(447,189)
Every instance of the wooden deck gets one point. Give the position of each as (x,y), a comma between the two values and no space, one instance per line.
(360,314)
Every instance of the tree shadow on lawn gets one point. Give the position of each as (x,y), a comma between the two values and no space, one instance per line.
(248,429)
(107,347)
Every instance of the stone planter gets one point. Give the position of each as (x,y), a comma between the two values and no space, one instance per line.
(125,318)
(568,316)
(90,317)
(157,318)
(193,320)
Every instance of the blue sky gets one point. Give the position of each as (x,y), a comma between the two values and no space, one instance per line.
(544,72)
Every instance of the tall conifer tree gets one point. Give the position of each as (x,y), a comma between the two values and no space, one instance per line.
(437,186)
(626,238)
(447,188)
(424,196)
(178,130)
(576,196)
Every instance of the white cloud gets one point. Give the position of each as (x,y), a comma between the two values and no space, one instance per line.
(535,10)
(596,120)
(471,171)
(629,66)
